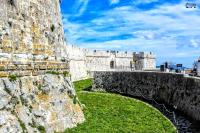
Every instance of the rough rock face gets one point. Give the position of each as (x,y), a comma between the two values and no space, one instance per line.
(174,89)
(31,104)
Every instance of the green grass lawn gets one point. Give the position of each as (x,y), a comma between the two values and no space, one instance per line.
(112,113)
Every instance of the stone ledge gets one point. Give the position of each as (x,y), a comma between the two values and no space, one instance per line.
(29,72)
(31,68)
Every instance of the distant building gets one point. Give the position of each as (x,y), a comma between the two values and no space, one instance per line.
(171,67)
(196,68)
(83,61)
(144,60)
(102,60)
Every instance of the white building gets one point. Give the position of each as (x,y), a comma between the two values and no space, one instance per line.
(83,61)
(197,67)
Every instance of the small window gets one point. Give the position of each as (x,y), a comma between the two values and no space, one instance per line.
(112,63)
(131,64)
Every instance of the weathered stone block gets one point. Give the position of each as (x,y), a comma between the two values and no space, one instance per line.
(4,74)
(29,67)
(50,67)
(25,73)
(36,66)
(40,72)
(3,67)
(42,67)
(11,67)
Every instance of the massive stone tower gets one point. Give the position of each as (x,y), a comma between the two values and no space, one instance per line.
(36,91)
(30,30)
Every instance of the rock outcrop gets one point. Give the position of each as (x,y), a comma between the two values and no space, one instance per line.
(31,45)
(38,103)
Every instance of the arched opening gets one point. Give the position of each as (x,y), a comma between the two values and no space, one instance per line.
(112,64)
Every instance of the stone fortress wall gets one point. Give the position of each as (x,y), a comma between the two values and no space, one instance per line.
(32,44)
(35,93)
(99,60)
(178,91)
(77,62)
(144,60)
(31,36)
(84,61)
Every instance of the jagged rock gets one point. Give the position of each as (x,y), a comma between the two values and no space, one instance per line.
(38,101)
(9,123)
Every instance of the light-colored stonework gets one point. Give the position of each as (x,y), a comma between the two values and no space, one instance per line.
(77,62)
(108,60)
(84,61)
(32,45)
(46,101)
(99,60)
(30,31)
(144,61)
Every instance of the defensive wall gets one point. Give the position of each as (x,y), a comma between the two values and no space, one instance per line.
(83,61)
(144,60)
(77,62)
(178,91)
(35,89)
(102,60)
(31,37)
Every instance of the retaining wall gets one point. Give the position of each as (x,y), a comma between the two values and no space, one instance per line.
(175,90)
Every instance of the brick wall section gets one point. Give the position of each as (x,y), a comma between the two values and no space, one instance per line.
(32,68)
(31,37)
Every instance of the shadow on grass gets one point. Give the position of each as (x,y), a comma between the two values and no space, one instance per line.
(89,88)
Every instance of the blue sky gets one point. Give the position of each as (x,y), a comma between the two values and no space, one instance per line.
(164,27)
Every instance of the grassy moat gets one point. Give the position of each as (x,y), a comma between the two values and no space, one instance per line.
(112,113)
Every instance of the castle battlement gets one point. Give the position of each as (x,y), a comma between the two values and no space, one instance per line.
(144,55)
(107,53)
(97,53)
(74,52)
(86,60)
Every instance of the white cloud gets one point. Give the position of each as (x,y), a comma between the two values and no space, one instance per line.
(80,7)
(114,2)
(156,30)
(145,34)
(143,1)
(195,43)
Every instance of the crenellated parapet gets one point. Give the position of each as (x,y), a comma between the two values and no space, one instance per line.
(107,53)
(144,60)
(149,55)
